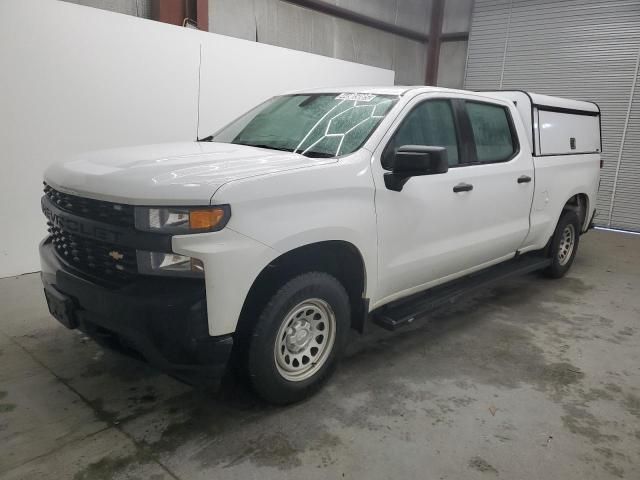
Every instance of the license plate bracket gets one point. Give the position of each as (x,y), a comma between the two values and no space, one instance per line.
(61,307)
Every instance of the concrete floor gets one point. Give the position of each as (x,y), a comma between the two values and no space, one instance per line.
(532,379)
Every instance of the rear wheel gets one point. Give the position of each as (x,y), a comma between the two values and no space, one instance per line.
(299,338)
(564,245)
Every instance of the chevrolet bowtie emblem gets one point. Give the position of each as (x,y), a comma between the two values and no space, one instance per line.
(116,255)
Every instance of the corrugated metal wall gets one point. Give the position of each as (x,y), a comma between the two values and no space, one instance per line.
(582,49)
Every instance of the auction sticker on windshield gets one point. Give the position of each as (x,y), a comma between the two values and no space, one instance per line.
(358,97)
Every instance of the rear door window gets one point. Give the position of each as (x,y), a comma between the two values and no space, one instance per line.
(493,132)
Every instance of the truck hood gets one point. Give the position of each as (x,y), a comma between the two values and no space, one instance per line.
(174,173)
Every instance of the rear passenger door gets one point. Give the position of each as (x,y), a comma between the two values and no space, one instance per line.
(433,230)
(502,175)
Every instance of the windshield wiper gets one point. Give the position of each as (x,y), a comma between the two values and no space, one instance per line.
(312,154)
(270,147)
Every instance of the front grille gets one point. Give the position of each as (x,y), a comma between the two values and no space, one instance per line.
(99,259)
(107,212)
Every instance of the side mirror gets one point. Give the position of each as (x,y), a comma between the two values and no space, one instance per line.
(413,161)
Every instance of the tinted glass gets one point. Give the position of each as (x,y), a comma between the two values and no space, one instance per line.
(430,124)
(318,125)
(491,131)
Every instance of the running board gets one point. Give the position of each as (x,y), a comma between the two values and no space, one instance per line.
(404,311)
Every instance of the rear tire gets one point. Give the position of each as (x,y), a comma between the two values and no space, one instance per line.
(299,337)
(564,245)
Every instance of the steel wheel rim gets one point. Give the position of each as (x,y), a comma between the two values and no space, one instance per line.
(567,242)
(305,340)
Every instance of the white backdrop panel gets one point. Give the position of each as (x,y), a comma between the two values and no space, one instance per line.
(239,74)
(75,78)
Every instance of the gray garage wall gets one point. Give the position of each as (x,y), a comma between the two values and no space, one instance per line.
(453,54)
(277,22)
(280,23)
(583,49)
(138,8)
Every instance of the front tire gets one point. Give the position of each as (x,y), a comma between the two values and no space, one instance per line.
(564,245)
(299,337)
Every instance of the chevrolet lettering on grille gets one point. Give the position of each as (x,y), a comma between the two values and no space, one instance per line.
(80,228)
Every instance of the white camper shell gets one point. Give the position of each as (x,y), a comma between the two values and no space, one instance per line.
(557,126)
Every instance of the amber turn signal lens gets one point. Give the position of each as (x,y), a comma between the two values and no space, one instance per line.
(206,219)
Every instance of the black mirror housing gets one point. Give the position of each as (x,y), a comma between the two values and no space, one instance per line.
(415,160)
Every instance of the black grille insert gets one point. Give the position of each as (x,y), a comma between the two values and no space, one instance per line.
(99,259)
(107,212)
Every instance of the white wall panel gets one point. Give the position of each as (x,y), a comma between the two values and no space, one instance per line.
(77,78)
(237,75)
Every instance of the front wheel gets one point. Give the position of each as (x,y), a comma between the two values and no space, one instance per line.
(299,338)
(564,245)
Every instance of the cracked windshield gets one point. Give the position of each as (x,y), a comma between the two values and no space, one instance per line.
(315,125)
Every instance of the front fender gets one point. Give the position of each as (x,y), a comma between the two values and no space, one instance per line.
(232,262)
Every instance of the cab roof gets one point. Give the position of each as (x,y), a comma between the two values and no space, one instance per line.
(536,99)
(376,90)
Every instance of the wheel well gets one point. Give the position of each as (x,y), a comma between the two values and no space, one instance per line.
(335,257)
(579,203)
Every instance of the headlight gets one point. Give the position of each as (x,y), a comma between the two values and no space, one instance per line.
(181,220)
(159,263)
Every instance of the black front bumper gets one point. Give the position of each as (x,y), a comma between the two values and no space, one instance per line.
(163,320)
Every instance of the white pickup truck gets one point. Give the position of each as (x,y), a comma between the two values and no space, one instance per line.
(266,242)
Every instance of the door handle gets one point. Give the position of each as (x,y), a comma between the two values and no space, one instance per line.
(524,179)
(463,187)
